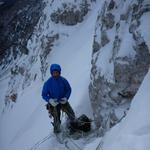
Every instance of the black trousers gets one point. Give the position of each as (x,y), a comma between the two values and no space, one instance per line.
(56,113)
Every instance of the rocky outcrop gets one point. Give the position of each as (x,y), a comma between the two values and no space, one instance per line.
(17,22)
(115,81)
(70,14)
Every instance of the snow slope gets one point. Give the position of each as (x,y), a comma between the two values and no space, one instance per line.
(28,121)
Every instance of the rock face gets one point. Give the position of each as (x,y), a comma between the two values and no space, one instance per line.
(119,37)
(17,22)
(70,14)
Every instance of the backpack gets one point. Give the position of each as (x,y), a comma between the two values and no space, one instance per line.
(82,123)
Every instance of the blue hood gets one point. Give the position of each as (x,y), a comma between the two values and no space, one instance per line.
(55,67)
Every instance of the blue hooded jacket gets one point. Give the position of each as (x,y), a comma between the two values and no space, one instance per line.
(56,87)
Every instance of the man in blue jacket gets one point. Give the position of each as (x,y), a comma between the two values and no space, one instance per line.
(56,91)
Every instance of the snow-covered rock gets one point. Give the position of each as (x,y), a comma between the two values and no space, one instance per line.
(133,132)
(120,59)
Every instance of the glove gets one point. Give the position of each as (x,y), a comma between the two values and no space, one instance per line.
(63,100)
(53,102)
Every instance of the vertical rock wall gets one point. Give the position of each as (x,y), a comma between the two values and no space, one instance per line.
(120,60)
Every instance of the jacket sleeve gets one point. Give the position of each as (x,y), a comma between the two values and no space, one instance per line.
(67,89)
(45,93)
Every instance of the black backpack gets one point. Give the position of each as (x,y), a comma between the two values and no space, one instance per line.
(83,123)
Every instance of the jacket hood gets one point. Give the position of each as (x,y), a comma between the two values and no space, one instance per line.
(55,67)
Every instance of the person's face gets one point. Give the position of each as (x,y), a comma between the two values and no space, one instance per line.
(55,73)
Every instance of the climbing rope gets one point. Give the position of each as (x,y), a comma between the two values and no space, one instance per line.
(99,146)
(70,139)
(35,146)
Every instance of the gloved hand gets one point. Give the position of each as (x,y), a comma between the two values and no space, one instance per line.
(53,102)
(63,100)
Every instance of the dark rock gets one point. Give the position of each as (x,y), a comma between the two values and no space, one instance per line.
(70,15)
(123,17)
(111,5)
(109,20)
(96,46)
(6,4)
(13,97)
(104,38)
(126,94)
(16,27)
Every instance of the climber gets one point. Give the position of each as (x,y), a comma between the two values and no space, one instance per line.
(56,91)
